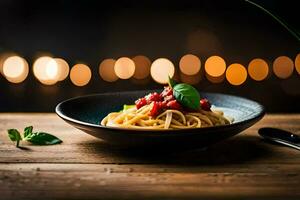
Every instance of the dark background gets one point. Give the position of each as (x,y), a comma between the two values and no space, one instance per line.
(90,31)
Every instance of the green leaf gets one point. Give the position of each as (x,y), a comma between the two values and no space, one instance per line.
(42,138)
(171,82)
(126,107)
(187,95)
(14,135)
(28,131)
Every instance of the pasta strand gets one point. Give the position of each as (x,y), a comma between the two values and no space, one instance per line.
(169,119)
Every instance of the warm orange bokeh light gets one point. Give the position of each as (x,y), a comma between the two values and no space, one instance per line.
(236,74)
(63,68)
(142,67)
(258,69)
(297,63)
(161,68)
(283,67)
(124,68)
(215,66)
(190,64)
(15,69)
(106,70)
(45,69)
(80,75)
(192,80)
(3,57)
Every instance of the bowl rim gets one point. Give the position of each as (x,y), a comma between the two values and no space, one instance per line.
(254,117)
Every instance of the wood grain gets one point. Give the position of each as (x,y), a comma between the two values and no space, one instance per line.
(83,167)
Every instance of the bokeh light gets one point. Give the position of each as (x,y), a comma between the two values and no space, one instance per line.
(45,69)
(63,68)
(80,74)
(258,69)
(161,68)
(106,70)
(15,69)
(236,74)
(52,70)
(283,67)
(189,64)
(124,68)
(192,80)
(215,66)
(297,63)
(3,57)
(142,67)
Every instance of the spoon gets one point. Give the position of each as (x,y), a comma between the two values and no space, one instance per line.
(280,136)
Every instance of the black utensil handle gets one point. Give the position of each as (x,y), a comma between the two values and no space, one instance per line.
(279,134)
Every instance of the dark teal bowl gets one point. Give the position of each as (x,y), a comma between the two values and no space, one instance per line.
(86,112)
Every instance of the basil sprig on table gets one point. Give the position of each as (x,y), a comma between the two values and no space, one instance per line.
(14,136)
(39,138)
(186,94)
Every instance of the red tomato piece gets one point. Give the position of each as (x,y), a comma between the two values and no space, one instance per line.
(166,92)
(205,104)
(155,109)
(169,98)
(174,105)
(153,97)
(140,102)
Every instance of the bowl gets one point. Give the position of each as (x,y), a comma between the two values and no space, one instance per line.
(86,112)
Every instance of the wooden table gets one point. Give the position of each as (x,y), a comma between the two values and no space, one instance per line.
(83,167)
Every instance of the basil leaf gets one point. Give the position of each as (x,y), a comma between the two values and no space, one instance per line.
(14,135)
(42,138)
(28,131)
(171,82)
(187,95)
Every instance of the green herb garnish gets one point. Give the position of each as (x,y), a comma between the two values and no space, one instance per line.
(126,107)
(187,95)
(42,138)
(14,136)
(28,131)
(39,138)
(171,82)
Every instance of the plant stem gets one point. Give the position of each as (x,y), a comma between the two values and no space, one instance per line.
(289,29)
(17,144)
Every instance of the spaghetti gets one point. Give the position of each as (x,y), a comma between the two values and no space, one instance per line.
(141,118)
